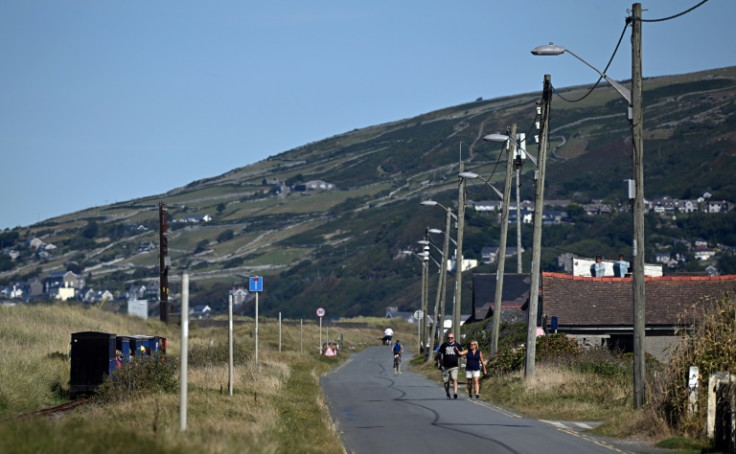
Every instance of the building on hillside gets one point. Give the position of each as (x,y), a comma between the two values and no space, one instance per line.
(138,308)
(580,266)
(57,280)
(598,311)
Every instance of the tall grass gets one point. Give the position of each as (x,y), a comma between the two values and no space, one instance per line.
(276,405)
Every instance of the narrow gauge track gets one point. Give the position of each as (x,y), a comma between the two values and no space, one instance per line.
(56,409)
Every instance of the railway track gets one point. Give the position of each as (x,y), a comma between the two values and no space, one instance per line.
(56,409)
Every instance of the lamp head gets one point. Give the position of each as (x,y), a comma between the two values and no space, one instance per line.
(549,49)
(468,175)
(429,203)
(436,231)
(496,137)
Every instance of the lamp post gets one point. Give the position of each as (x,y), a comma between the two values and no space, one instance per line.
(457,303)
(442,284)
(541,164)
(634,98)
(424,257)
(501,256)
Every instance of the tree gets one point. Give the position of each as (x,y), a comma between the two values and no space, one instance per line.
(91,230)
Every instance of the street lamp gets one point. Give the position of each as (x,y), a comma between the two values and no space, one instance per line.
(634,98)
(442,283)
(473,175)
(424,257)
(531,333)
(501,257)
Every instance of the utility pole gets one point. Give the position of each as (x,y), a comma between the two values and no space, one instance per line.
(164,262)
(441,288)
(531,329)
(517,168)
(501,256)
(425,292)
(638,243)
(459,255)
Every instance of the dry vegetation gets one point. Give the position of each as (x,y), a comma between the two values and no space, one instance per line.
(276,406)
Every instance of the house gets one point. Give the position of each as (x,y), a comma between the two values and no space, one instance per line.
(661,257)
(599,311)
(35,243)
(200,311)
(514,297)
(62,279)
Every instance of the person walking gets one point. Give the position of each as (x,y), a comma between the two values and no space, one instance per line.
(388,334)
(472,368)
(449,356)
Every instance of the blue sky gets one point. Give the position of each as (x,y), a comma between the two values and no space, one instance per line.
(104,101)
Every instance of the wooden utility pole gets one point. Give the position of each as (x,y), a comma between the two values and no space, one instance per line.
(459,254)
(517,167)
(439,302)
(425,292)
(164,261)
(531,330)
(501,256)
(637,127)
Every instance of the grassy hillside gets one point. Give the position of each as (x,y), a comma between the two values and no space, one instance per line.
(341,248)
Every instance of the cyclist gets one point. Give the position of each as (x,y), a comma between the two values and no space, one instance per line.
(397,350)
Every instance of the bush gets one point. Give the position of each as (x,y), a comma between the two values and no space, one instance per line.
(711,346)
(140,376)
(548,348)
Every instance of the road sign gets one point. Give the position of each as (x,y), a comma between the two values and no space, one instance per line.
(418,315)
(255,284)
(320,312)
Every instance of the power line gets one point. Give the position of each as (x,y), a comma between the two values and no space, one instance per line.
(675,15)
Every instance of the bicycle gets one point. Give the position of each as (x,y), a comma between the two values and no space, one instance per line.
(397,363)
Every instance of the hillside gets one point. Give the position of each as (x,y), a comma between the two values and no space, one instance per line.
(340,247)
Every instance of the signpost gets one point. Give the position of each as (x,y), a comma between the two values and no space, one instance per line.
(320,313)
(255,284)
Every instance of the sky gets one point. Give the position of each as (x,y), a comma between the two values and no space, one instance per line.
(104,101)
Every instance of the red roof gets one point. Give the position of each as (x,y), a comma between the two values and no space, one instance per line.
(608,301)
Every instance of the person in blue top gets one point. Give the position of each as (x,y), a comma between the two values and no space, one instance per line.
(474,363)
(397,350)
(621,267)
(598,269)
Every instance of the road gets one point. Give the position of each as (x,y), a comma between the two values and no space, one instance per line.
(376,411)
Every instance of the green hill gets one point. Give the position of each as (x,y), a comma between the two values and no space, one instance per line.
(340,248)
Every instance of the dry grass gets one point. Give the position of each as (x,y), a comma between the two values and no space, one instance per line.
(277,405)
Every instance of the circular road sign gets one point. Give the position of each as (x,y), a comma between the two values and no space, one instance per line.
(320,312)
(418,315)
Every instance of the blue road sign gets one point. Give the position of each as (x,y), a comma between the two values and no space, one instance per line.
(255,284)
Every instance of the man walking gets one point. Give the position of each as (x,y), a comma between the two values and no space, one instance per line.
(449,356)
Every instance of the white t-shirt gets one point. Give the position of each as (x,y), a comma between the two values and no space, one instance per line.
(389,332)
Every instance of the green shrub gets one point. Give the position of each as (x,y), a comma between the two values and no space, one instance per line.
(556,346)
(140,376)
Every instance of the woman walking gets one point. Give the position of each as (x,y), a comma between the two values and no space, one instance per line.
(472,368)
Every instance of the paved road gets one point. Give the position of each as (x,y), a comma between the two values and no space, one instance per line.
(377,411)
